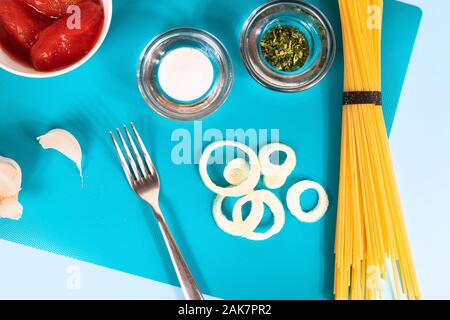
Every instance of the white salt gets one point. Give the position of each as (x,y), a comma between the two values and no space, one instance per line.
(185,74)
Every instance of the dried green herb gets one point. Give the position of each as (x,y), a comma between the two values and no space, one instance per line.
(285,48)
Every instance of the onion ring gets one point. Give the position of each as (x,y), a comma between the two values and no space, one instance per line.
(274,182)
(270,169)
(262,197)
(293,201)
(232,227)
(236,171)
(236,191)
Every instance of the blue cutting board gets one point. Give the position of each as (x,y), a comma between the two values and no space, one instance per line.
(105,223)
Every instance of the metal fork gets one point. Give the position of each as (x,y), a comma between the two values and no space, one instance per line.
(144,180)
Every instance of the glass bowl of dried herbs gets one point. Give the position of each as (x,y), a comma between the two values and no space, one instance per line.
(288,46)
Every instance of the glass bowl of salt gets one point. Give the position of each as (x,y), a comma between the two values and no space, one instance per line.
(185,74)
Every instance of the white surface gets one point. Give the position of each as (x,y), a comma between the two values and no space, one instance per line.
(421,149)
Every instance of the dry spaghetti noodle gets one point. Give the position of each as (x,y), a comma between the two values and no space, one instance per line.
(371,238)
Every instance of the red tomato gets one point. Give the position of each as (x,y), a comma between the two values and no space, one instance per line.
(19,26)
(51,8)
(59,45)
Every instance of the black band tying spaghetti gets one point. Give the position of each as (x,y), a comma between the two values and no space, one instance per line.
(362,97)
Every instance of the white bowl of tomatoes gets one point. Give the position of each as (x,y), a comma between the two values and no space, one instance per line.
(48,38)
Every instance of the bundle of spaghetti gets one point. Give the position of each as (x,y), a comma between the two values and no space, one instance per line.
(371,239)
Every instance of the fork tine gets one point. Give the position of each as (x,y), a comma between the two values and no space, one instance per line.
(136,172)
(123,162)
(136,153)
(147,157)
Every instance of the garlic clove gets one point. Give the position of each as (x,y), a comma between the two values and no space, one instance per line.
(65,143)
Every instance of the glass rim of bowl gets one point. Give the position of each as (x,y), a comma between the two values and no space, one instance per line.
(277,80)
(160,102)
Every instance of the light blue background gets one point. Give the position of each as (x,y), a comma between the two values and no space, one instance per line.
(410,129)
(421,149)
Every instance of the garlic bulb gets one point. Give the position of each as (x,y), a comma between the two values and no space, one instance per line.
(10,185)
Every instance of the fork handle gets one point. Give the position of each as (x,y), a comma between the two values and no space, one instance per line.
(187,281)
